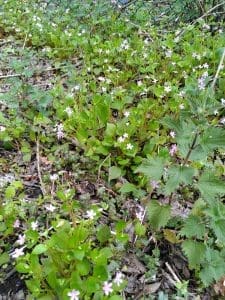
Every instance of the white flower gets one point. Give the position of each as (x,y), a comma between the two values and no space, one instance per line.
(121,139)
(222,121)
(172,134)
(223,101)
(69,111)
(129,146)
(126,114)
(125,135)
(206,66)
(181,106)
(2,128)
(139,83)
(107,288)
(215,112)
(50,207)
(169,53)
(154,80)
(34,225)
(74,295)
(167,89)
(104,89)
(181,94)
(54,177)
(91,214)
(206,26)
(21,239)
(76,88)
(118,278)
(17,252)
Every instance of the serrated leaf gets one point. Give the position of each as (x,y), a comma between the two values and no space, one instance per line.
(193,227)
(114,172)
(194,251)
(152,168)
(158,214)
(170,235)
(210,185)
(213,138)
(103,234)
(178,175)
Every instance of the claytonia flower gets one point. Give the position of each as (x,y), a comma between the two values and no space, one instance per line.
(169,53)
(54,177)
(21,239)
(167,88)
(215,112)
(172,134)
(118,280)
(74,295)
(222,121)
(17,252)
(16,224)
(126,114)
(107,288)
(91,214)
(2,128)
(173,149)
(121,139)
(69,111)
(76,88)
(130,146)
(154,184)
(50,207)
(34,225)
(125,135)
(139,83)
(181,106)
(223,101)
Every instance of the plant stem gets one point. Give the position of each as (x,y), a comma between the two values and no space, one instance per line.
(191,148)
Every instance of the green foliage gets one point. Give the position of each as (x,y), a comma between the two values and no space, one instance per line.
(158,215)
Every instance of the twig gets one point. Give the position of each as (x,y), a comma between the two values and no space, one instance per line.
(202,17)
(10,75)
(172,272)
(25,40)
(191,148)
(39,168)
(218,69)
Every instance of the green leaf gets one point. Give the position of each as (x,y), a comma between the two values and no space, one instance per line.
(114,172)
(103,234)
(100,272)
(23,268)
(194,251)
(140,229)
(177,175)
(193,227)
(4,258)
(152,168)
(158,214)
(39,249)
(128,188)
(210,185)
(83,267)
(78,254)
(213,138)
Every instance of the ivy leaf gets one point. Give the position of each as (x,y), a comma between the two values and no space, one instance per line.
(193,227)
(158,214)
(194,251)
(210,185)
(178,175)
(114,172)
(152,168)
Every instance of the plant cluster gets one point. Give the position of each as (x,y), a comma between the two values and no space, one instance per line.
(144,109)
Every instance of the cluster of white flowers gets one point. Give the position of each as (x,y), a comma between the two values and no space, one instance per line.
(122,138)
(196,55)
(59,131)
(124,45)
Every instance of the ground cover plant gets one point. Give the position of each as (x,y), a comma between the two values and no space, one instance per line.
(112,148)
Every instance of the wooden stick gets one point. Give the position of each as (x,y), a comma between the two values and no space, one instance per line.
(218,69)
(172,272)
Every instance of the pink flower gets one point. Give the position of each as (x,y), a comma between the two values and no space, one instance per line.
(17,252)
(172,134)
(107,288)
(16,224)
(154,184)
(173,149)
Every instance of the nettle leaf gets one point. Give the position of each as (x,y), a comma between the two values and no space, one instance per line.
(152,168)
(177,175)
(158,214)
(210,185)
(195,252)
(213,267)
(218,228)
(213,138)
(114,172)
(193,227)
